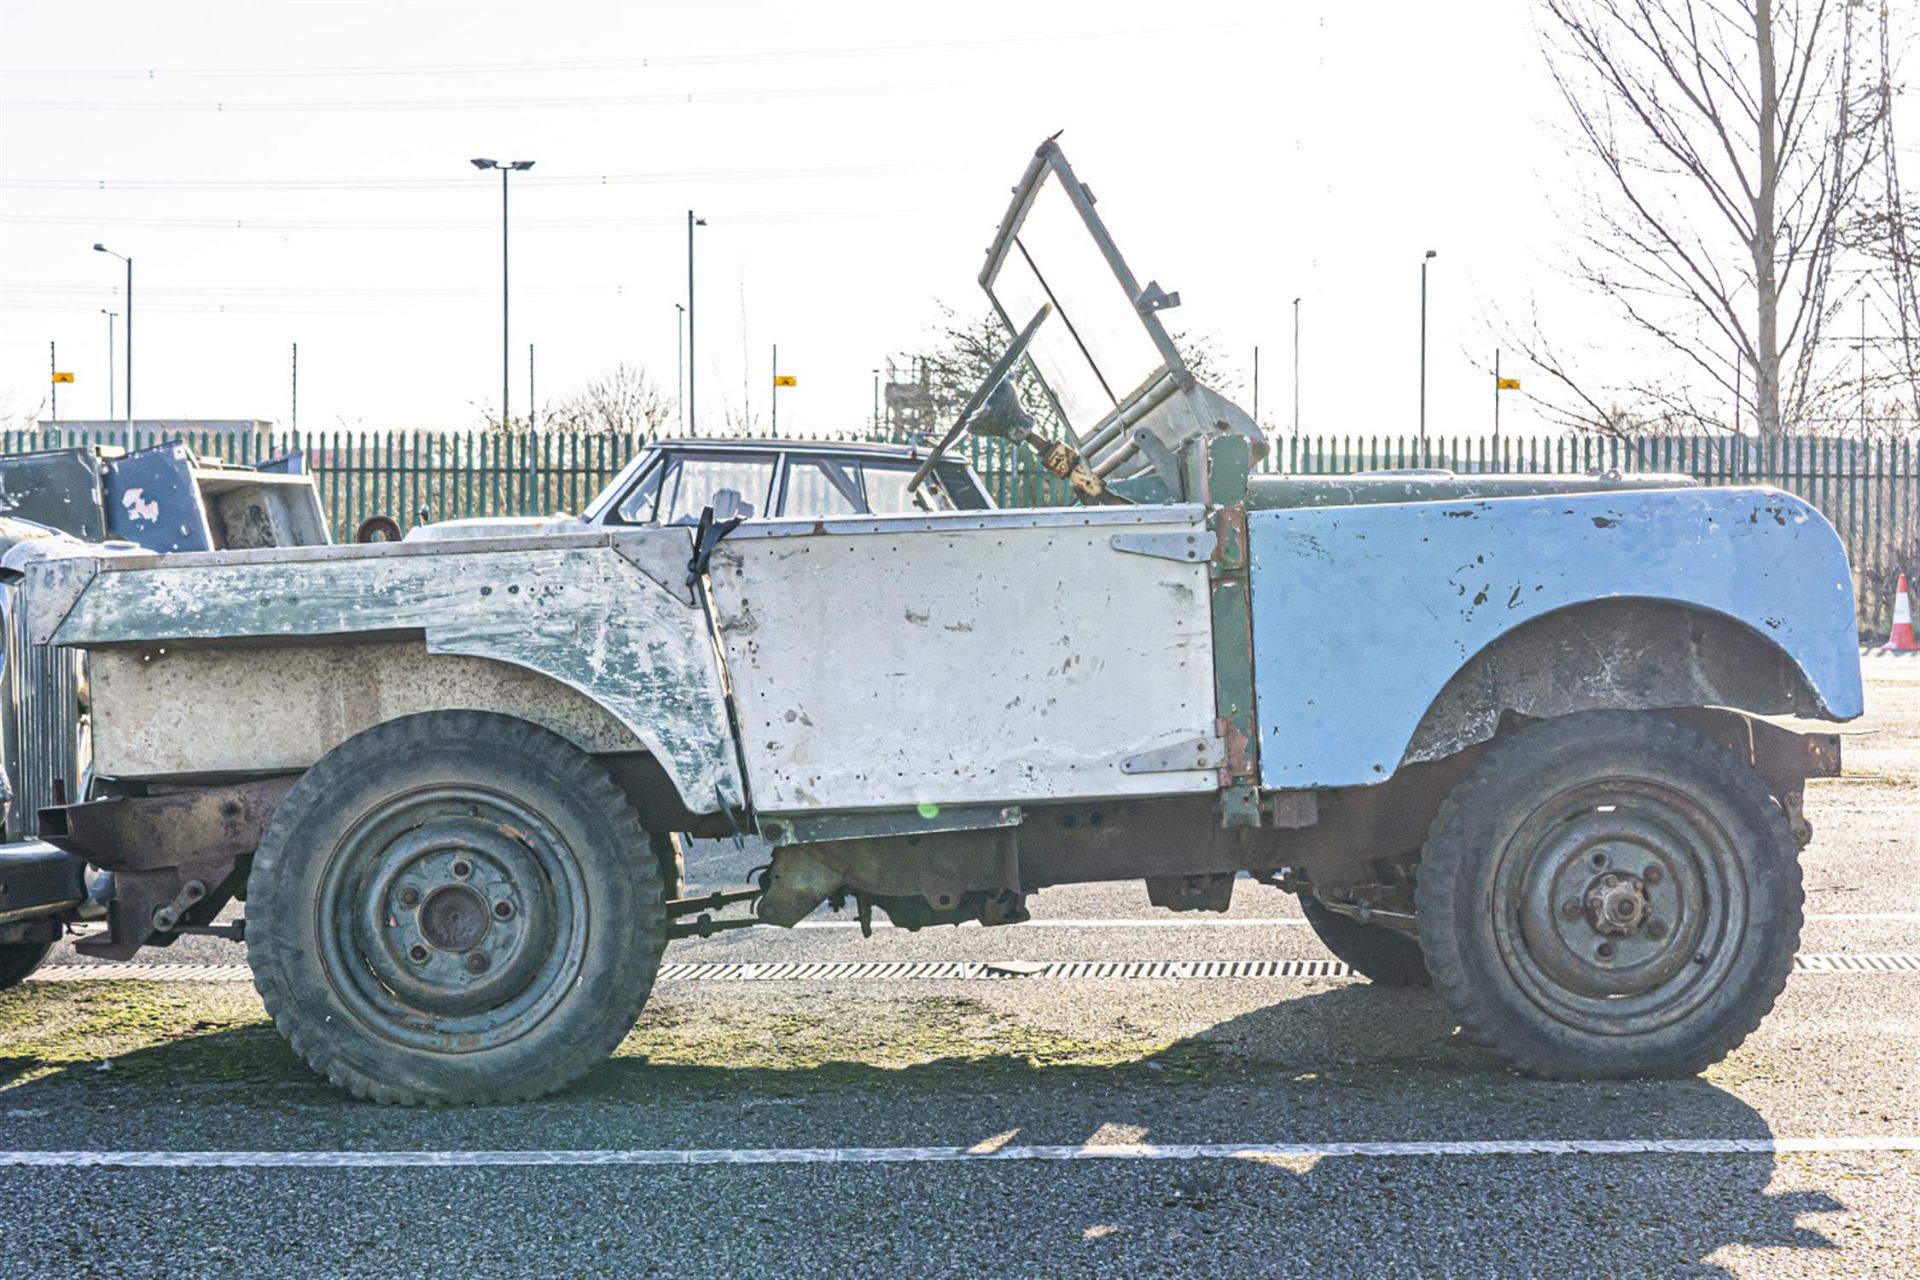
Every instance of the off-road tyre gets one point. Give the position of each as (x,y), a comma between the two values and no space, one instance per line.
(18,960)
(1532,824)
(425,841)
(1385,957)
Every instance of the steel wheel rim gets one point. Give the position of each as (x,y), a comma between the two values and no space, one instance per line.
(1663,906)
(396,910)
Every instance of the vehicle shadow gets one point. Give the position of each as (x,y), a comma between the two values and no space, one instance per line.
(1349,1063)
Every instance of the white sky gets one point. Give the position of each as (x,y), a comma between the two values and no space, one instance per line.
(852,162)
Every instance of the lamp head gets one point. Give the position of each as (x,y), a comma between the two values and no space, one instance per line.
(1433,253)
(519,165)
(486,164)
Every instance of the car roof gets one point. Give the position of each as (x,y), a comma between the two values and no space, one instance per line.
(758,444)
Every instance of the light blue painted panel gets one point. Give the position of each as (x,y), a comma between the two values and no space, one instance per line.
(1362,614)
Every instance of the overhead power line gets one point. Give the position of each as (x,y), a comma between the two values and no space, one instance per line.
(447,184)
(656,62)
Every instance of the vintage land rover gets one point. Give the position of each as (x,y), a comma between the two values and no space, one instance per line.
(447,776)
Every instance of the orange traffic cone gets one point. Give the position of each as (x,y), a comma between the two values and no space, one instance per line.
(1901,641)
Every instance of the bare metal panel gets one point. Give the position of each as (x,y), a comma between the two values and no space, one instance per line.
(954,660)
(285,707)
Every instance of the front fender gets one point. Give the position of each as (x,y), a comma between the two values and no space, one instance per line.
(1362,614)
(610,620)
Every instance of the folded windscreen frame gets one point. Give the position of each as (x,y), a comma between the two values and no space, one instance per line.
(1111,371)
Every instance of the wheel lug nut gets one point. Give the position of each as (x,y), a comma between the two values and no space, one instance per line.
(462,869)
(1656,929)
(476,962)
(1652,875)
(503,909)
(418,954)
(409,896)
(1570,908)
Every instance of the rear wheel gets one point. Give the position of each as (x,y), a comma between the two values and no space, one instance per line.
(455,907)
(1383,956)
(18,960)
(1610,894)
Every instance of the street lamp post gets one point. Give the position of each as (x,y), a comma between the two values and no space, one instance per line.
(680,363)
(1431,255)
(100,248)
(693,365)
(111,316)
(1296,367)
(506,350)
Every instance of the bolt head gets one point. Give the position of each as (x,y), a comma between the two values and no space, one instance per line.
(417,953)
(462,868)
(503,910)
(1656,928)
(1605,951)
(409,896)
(476,962)
(1653,875)
(1570,909)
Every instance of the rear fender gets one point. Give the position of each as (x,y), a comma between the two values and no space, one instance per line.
(1363,615)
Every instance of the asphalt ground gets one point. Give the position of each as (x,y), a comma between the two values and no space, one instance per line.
(1010,1125)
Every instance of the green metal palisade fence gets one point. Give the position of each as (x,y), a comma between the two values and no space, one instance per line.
(1870,490)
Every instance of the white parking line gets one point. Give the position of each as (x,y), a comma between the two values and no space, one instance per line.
(1270,922)
(1250,1151)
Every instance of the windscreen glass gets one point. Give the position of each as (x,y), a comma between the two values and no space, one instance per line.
(1094,351)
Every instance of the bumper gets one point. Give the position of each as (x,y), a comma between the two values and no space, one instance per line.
(37,879)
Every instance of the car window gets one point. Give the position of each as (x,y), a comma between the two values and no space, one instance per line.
(887,491)
(818,487)
(637,507)
(692,479)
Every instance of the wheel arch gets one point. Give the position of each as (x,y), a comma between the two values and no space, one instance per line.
(1629,653)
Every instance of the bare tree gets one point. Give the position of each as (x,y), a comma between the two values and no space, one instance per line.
(1730,138)
(625,401)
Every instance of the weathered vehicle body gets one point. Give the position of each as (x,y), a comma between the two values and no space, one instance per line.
(160,499)
(447,775)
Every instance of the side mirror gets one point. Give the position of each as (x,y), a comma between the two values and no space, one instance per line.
(727,505)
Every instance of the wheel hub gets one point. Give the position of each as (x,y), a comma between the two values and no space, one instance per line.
(1617,904)
(454,918)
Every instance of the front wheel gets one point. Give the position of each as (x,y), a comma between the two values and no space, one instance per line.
(18,960)
(455,907)
(1610,894)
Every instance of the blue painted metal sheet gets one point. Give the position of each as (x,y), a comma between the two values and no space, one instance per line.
(1362,614)
(153,501)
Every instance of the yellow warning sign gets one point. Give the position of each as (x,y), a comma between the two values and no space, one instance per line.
(1506,384)
(785,380)
(63,377)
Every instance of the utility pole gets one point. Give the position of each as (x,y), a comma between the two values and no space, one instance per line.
(533,442)
(1431,254)
(1496,396)
(680,363)
(296,390)
(774,390)
(693,363)
(110,315)
(53,382)
(1296,366)
(505,167)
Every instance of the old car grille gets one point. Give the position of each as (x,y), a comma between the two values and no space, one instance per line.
(44,734)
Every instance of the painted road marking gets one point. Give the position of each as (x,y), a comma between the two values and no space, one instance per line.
(983,1153)
(935,970)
